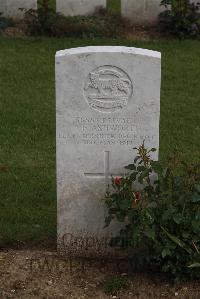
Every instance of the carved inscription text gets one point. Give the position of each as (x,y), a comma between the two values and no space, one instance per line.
(104,131)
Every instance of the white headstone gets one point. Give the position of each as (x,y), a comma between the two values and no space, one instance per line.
(141,11)
(13,8)
(107,102)
(78,7)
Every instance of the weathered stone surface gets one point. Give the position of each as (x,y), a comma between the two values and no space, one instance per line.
(78,7)
(141,11)
(2,6)
(107,102)
(12,8)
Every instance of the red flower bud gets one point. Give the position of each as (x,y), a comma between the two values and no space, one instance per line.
(137,195)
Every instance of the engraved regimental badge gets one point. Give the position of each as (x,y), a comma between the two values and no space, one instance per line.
(108,89)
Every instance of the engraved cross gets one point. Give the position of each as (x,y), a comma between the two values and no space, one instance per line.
(106,174)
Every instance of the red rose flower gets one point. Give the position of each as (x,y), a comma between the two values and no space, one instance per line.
(117,181)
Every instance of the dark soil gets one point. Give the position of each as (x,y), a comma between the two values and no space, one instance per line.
(43,274)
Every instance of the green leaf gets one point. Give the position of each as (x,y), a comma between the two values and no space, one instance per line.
(108,220)
(185,234)
(120,217)
(165,252)
(124,204)
(133,176)
(130,166)
(136,159)
(177,218)
(152,205)
(140,179)
(167,173)
(131,214)
(112,211)
(145,173)
(194,265)
(166,215)
(141,168)
(195,197)
(195,224)
(150,233)
(197,214)
(157,167)
(173,238)
(197,188)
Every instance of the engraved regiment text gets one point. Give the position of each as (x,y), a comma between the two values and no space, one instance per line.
(104,131)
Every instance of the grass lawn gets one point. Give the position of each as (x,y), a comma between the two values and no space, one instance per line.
(27,125)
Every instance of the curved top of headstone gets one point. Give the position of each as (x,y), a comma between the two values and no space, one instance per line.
(111,49)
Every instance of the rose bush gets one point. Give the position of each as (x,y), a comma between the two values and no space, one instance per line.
(181,18)
(162,218)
